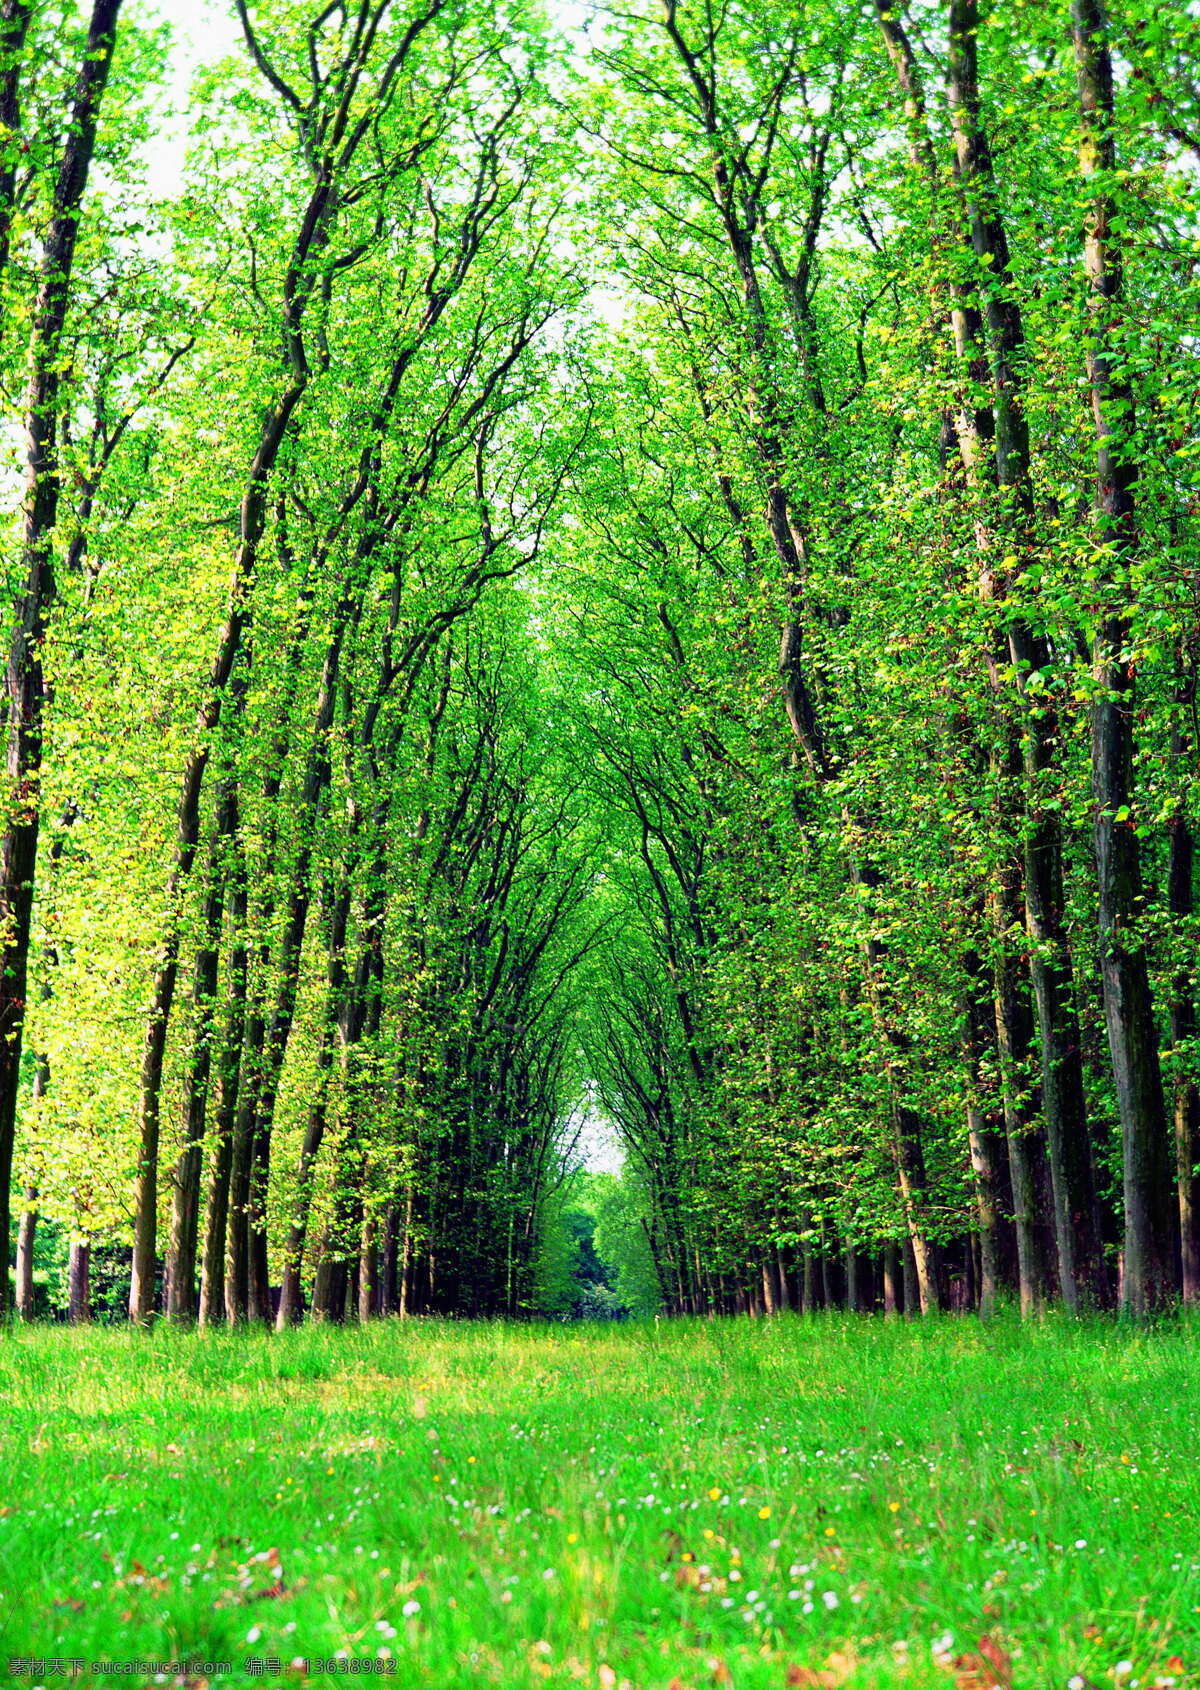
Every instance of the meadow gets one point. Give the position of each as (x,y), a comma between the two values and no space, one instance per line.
(668,1506)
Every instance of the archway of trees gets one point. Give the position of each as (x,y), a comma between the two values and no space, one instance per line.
(650,554)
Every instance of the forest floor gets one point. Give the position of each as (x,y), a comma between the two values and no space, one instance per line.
(755,1505)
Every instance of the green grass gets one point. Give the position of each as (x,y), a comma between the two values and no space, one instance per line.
(530,1496)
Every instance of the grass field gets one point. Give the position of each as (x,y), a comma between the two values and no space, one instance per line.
(746,1504)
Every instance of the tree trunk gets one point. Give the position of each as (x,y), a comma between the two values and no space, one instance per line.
(891,1279)
(852,1298)
(290,1298)
(368,1270)
(79,1281)
(1182,904)
(26,1237)
(1014,1034)
(24,676)
(1128,1000)
(14,26)
(1075,1205)
(185,1194)
(216,1231)
(978,1043)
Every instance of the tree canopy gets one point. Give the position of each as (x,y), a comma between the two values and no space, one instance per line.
(643,562)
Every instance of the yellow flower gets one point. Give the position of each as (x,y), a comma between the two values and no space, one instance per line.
(895,1507)
(572,1537)
(714,1494)
(830,1532)
(764,1513)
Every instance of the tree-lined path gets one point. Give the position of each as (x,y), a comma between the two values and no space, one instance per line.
(638,560)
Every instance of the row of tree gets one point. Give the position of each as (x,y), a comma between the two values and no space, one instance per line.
(294,466)
(914,1017)
(663,573)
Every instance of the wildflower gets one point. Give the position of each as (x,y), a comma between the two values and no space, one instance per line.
(253,1635)
(829,1597)
(764,1513)
(410,1609)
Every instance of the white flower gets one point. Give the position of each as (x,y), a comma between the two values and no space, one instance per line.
(253,1635)
(1122,1669)
(549,1573)
(410,1608)
(1081,1543)
(830,1600)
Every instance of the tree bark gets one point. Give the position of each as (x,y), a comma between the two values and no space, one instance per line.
(14,27)
(1181,902)
(1128,999)
(216,1228)
(979,1042)
(26,1238)
(185,1195)
(79,1281)
(24,676)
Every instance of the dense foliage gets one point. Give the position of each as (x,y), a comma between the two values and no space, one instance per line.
(644,564)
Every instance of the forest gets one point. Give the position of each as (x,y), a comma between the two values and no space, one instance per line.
(622,569)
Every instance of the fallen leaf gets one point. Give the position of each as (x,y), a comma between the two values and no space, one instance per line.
(998,1659)
(837,1669)
(270,1593)
(990,1669)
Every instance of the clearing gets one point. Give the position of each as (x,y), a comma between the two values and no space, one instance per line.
(755,1504)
